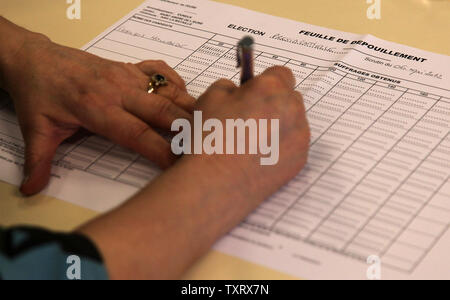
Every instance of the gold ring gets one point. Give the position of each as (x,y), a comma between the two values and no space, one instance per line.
(156,81)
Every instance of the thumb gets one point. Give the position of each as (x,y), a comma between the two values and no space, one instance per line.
(39,152)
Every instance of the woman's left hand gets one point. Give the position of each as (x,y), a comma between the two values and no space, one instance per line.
(58,90)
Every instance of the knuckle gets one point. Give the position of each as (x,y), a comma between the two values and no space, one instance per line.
(143,64)
(146,63)
(164,107)
(283,71)
(116,73)
(152,65)
(161,64)
(136,131)
(88,99)
(173,92)
(115,68)
(270,83)
(224,82)
(285,74)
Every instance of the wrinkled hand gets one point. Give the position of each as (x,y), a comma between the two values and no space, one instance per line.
(268,96)
(58,90)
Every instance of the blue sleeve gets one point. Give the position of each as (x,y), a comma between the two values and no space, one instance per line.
(36,254)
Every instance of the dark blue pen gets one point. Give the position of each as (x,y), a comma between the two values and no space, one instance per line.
(245,58)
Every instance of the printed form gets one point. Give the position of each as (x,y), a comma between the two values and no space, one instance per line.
(377,181)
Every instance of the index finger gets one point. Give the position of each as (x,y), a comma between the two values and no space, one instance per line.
(130,132)
(154,109)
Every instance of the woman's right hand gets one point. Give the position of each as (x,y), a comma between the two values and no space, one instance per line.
(268,96)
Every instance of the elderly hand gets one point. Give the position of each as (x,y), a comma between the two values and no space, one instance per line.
(269,96)
(58,90)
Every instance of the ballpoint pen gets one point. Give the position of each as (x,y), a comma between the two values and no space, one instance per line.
(245,58)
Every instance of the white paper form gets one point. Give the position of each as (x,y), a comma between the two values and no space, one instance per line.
(377,181)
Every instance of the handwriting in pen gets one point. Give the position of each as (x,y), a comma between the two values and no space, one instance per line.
(153,38)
